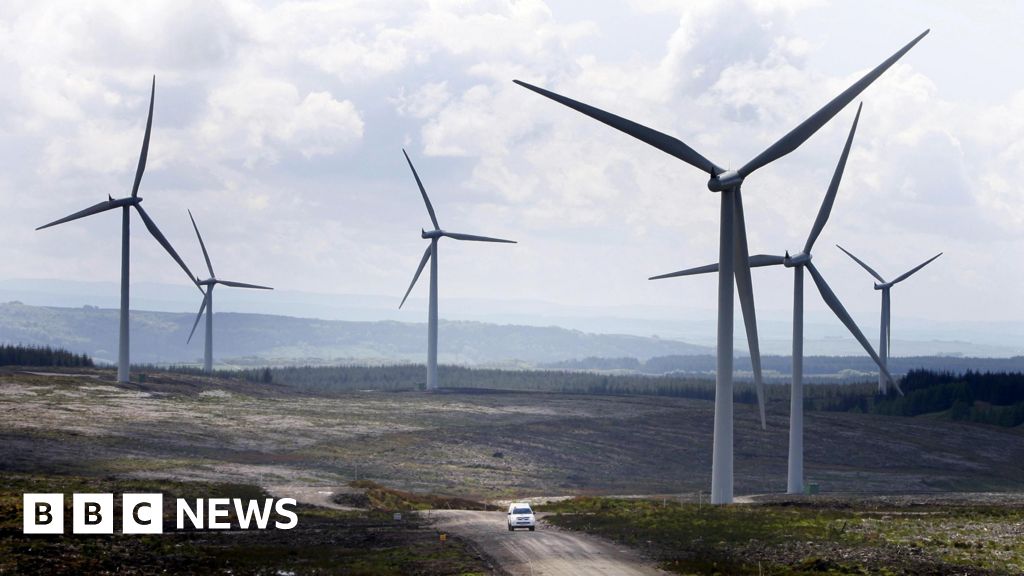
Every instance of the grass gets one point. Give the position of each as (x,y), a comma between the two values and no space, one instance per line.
(378,497)
(799,538)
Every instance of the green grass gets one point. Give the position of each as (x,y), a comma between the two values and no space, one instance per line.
(793,540)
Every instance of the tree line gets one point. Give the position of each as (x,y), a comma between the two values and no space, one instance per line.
(21,355)
(782,366)
(986,397)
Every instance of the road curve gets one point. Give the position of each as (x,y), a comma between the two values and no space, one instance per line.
(547,551)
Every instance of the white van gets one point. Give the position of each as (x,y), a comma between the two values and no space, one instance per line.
(520,515)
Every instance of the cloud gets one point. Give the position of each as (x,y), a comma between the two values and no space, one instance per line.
(255,118)
(288,117)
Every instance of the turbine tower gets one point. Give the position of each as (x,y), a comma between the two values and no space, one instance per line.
(885,343)
(795,477)
(732,247)
(126,204)
(431,254)
(207,304)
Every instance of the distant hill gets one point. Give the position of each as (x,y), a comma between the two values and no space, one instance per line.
(159,337)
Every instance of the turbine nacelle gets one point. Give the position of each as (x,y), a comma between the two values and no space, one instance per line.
(432,234)
(800,259)
(129,201)
(728,180)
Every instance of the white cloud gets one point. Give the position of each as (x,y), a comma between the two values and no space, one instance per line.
(288,116)
(255,118)
(425,101)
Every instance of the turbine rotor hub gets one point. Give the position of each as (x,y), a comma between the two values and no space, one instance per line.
(129,201)
(431,234)
(801,259)
(725,181)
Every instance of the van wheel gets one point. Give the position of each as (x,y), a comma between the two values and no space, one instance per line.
(510,528)
(531,528)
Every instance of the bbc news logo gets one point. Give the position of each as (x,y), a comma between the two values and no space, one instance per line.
(144,513)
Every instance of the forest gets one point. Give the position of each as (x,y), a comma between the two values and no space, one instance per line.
(986,397)
(20,355)
(778,368)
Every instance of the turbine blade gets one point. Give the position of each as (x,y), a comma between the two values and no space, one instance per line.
(163,241)
(688,272)
(833,188)
(202,307)
(745,290)
(807,128)
(145,143)
(202,245)
(423,262)
(907,274)
(94,209)
(243,285)
(759,260)
(663,142)
(833,302)
(756,261)
(473,238)
(863,265)
(430,209)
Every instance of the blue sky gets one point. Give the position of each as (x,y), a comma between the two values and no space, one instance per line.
(280,125)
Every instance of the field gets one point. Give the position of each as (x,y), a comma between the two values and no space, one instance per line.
(199,433)
(975,534)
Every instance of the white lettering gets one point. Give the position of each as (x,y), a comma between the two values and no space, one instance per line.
(246,514)
(218,508)
(282,511)
(185,510)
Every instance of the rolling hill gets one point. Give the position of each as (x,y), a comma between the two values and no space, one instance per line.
(160,337)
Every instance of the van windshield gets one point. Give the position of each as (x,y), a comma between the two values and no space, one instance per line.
(522,511)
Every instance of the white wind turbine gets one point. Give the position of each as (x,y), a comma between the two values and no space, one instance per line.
(799,261)
(732,247)
(885,342)
(431,254)
(207,304)
(126,204)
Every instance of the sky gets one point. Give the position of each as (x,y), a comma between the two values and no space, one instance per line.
(281,126)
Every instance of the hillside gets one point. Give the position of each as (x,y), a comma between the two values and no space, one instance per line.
(475,443)
(159,337)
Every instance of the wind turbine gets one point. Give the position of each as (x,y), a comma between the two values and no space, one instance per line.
(431,254)
(799,261)
(126,204)
(207,304)
(885,343)
(732,247)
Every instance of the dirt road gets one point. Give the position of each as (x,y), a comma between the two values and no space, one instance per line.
(546,551)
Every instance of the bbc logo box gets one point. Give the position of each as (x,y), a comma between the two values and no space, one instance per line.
(43,514)
(93,514)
